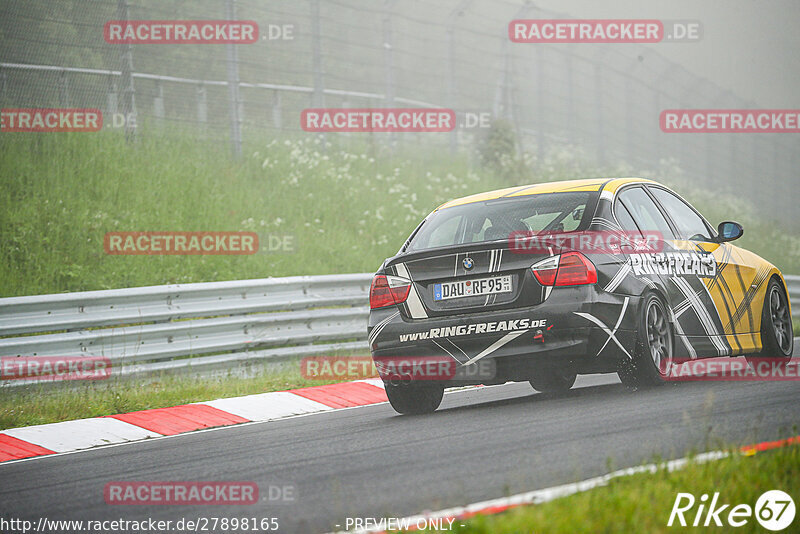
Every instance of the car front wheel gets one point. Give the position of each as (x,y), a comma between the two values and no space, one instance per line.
(777,333)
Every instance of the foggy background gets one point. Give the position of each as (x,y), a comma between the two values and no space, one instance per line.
(595,103)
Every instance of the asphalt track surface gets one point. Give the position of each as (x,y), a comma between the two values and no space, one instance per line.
(369,462)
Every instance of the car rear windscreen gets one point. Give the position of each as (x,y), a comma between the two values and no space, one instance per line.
(495,220)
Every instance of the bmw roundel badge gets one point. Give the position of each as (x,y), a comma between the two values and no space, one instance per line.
(468,263)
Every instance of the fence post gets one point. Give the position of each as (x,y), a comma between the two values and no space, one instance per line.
(128,90)
(158,101)
(598,94)
(388,61)
(451,65)
(541,139)
(319,81)
(658,135)
(713,171)
(630,153)
(277,119)
(63,89)
(113,98)
(3,87)
(507,84)
(573,138)
(318,96)
(202,103)
(234,101)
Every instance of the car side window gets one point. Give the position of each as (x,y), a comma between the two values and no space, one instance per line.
(689,224)
(625,219)
(645,212)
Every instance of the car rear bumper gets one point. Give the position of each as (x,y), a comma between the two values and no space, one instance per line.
(580,326)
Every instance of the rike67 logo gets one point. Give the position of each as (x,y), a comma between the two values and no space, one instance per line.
(774,510)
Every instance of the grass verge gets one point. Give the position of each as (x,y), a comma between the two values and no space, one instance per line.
(345,208)
(642,503)
(40,404)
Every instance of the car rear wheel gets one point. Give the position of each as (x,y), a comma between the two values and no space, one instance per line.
(553,379)
(777,341)
(414,398)
(653,356)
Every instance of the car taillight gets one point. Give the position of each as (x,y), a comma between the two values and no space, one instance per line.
(569,269)
(575,269)
(545,271)
(387,290)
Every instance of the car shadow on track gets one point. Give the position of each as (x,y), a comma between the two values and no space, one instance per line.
(532,397)
(601,392)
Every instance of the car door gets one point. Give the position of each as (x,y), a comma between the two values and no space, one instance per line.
(678,270)
(737,276)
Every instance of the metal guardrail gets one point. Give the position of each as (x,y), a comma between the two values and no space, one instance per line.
(199,327)
(191,327)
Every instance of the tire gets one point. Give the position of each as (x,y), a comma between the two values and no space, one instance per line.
(777,334)
(553,379)
(654,352)
(412,399)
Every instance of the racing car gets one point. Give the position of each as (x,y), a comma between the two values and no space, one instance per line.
(551,280)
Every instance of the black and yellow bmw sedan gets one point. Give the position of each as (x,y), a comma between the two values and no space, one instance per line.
(552,280)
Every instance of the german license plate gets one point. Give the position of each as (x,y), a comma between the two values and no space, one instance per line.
(472,288)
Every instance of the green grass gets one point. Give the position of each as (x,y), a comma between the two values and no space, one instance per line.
(347,209)
(40,404)
(642,503)
(347,212)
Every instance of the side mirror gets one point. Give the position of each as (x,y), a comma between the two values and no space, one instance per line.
(729,231)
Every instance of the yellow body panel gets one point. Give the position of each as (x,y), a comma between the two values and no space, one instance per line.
(589,184)
(738,293)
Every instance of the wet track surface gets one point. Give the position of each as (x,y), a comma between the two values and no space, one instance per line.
(482,443)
